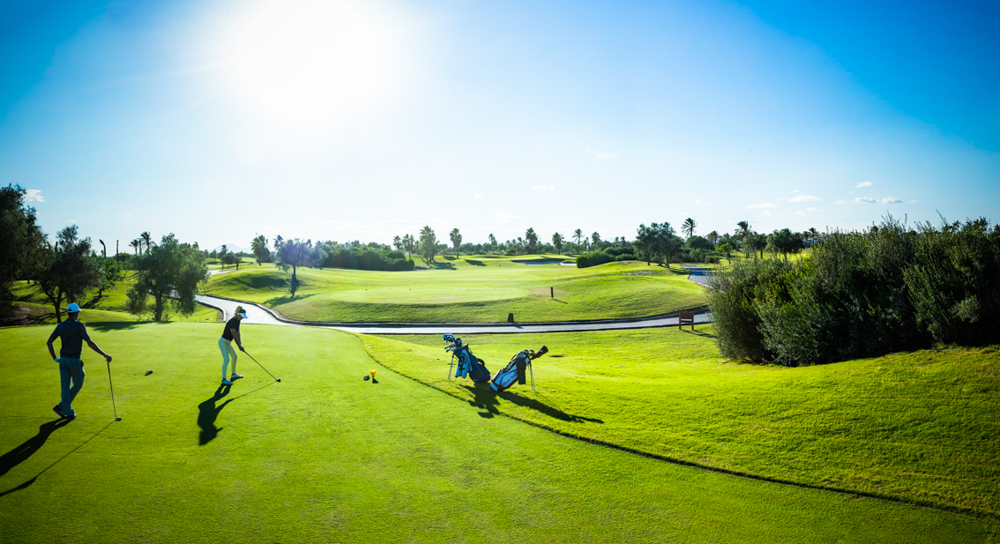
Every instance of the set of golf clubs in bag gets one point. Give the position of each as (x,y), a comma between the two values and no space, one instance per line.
(475,368)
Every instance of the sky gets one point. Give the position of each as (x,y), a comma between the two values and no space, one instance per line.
(218,120)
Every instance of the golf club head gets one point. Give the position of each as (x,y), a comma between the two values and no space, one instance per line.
(118,419)
(279,380)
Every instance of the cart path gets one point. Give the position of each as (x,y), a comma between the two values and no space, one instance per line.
(257,313)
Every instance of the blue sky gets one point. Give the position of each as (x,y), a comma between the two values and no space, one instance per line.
(219,120)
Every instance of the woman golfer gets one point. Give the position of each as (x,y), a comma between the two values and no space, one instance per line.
(231,332)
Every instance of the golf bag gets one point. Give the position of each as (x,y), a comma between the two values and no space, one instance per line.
(515,369)
(468,364)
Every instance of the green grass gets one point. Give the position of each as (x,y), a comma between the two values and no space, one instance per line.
(108,308)
(326,457)
(917,426)
(474,289)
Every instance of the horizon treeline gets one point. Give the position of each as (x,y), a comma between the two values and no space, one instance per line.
(887,289)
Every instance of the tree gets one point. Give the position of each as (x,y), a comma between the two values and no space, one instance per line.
(231,258)
(557,240)
(112,272)
(428,243)
(645,243)
(577,235)
(68,270)
(595,238)
(146,240)
(666,242)
(259,247)
(21,242)
(688,227)
(784,242)
(713,237)
(493,242)
(531,239)
(292,253)
(224,256)
(136,245)
(170,271)
(409,243)
(397,243)
(456,239)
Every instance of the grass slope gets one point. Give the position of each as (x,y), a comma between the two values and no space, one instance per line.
(468,290)
(917,426)
(326,457)
(110,307)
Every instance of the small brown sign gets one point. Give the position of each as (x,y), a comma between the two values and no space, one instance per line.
(687,318)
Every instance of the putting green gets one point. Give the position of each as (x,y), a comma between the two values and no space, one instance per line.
(326,457)
(464,292)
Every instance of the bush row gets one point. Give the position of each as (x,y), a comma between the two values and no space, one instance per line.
(887,289)
(595,258)
(367,259)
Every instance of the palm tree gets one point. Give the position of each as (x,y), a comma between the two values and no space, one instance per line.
(688,227)
(596,238)
(146,240)
(456,239)
(397,243)
(713,237)
(136,244)
(409,242)
(577,235)
(259,247)
(557,240)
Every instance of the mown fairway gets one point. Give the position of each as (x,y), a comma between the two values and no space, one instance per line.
(326,457)
(111,307)
(467,290)
(917,426)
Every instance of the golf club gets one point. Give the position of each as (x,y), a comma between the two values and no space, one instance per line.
(262,366)
(113,407)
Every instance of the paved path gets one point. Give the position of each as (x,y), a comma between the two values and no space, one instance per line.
(260,314)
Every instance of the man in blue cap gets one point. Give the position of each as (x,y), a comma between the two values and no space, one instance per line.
(230,333)
(72,333)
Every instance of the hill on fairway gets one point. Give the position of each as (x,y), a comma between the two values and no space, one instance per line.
(326,457)
(467,290)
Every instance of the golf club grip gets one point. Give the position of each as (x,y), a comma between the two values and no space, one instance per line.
(541,351)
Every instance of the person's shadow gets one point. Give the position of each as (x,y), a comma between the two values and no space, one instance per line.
(208,412)
(21,453)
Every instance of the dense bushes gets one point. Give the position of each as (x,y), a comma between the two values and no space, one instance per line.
(887,289)
(363,258)
(593,258)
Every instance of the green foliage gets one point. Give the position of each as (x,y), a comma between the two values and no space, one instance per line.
(169,271)
(260,250)
(593,258)
(428,243)
(557,242)
(68,270)
(20,242)
(293,253)
(531,240)
(456,239)
(887,289)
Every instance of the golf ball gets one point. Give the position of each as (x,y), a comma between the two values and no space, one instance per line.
(365,378)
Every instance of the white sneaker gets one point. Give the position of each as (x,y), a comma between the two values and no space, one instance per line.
(235,377)
(227,382)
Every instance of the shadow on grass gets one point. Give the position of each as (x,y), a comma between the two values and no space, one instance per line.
(208,412)
(271,303)
(21,453)
(105,326)
(559,301)
(485,398)
(475,262)
(441,266)
(698,333)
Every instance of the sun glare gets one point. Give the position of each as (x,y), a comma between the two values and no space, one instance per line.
(311,60)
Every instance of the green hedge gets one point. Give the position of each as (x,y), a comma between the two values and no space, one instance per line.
(593,258)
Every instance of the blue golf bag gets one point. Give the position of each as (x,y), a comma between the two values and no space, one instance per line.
(468,364)
(515,370)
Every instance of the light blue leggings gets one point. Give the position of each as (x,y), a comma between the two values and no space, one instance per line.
(70,369)
(226,346)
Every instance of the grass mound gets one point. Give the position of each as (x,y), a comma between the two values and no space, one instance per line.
(326,457)
(917,426)
(470,290)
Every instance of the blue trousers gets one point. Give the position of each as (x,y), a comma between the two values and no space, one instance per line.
(70,370)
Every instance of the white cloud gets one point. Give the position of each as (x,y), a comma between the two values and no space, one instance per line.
(891,200)
(33,195)
(760,206)
(840,202)
(800,213)
(543,187)
(912,201)
(863,184)
(71,220)
(868,200)
(796,191)
(606,156)
(805,198)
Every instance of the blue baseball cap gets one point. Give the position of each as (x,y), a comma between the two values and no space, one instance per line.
(243,315)
(73,308)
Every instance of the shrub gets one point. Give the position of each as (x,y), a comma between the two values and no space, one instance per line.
(593,258)
(887,289)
